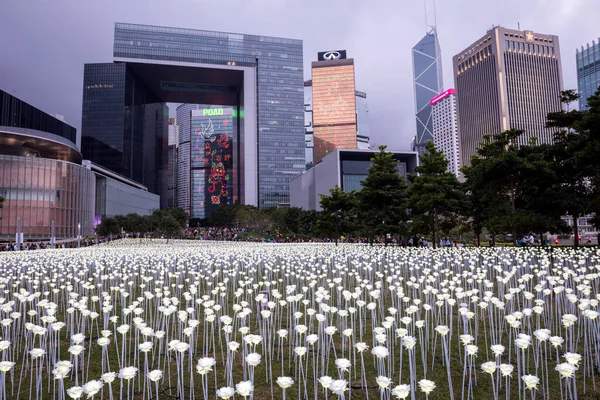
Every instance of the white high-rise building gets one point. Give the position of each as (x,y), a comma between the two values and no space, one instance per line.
(445,129)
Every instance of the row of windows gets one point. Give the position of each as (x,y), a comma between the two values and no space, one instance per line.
(529,48)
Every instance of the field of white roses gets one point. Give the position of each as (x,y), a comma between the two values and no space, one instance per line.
(209,320)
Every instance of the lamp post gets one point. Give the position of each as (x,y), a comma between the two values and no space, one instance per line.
(53,237)
(78,235)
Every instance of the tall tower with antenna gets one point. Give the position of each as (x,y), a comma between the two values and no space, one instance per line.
(427,78)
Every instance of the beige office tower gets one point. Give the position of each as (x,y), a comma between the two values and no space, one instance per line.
(334,103)
(508,79)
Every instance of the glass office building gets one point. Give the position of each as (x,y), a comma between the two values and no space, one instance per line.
(427,77)
(40,191)
(588,72)
(15,112)
(260,76)
(41,177)
(124,124)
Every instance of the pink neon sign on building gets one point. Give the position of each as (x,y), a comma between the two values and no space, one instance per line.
(441,96)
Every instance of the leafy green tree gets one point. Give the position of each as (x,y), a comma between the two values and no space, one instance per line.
(493,181)
(573,158)
(436,198)
(169,226)
(308,222)
(382,204)
(253,219)
(224,216)
(108,226)
(541,209)
(337,217)
(589,157)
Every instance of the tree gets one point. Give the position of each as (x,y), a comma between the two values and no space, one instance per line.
(493,180)
(308,222)
(169,226)
(589,156)
(382,202)
(571,152)
(436,198)
(337,217)
(108,226)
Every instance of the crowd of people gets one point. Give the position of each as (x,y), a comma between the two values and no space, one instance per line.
(239,235)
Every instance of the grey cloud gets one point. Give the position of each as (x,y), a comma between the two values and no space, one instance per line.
(44,44)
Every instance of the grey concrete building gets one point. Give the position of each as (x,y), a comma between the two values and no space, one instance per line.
(507,79)
(346,168)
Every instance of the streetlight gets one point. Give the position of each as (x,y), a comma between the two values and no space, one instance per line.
(78,234)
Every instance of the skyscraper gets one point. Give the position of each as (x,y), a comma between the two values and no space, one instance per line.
(508,79)
(427,79)
(334,103)
(588,72)
(363,135)
(172,163)
(445,128)
(363,130)
(124,121)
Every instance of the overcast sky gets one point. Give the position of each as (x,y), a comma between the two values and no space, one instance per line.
(44,44)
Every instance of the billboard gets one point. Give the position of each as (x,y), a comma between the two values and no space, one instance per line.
(332,55)
(213,135)
(334,109)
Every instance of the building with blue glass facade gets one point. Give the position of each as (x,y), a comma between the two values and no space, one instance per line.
(260,78)
(588,72)
(427,79)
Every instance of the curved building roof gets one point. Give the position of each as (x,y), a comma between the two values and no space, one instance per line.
(33,143)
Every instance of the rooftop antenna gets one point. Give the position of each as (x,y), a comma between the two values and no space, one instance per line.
(430,28)
(518,26)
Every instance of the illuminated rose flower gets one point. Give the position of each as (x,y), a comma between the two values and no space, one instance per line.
(530,381)
(498,350)
(300,351)
(572,358)
(401,391)
(128,373)
(145,347)
(325,381)
(253,359)
(556,341)
(343,364)
(285,382)
(442,330)
(338,386)
(155,375)
(506,369)
(380,351)
(426,386)
(205,365)
(489,367)
(361,346)
(225,392)
(244,388)
(75,392)
(36,353)
(566,370)
(92,387)
(6,366)
(109,377)
(383,382)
